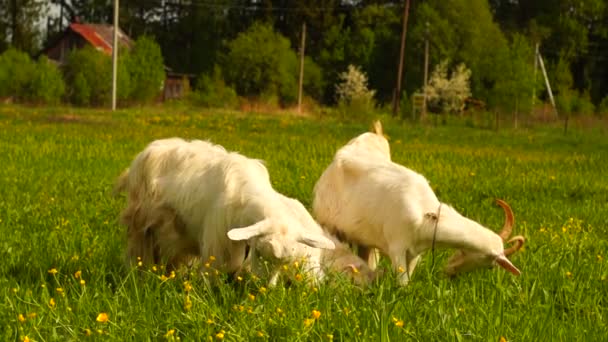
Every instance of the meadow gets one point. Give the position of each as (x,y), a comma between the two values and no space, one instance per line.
(63,276)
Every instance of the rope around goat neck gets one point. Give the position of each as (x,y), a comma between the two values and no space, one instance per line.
(435,236)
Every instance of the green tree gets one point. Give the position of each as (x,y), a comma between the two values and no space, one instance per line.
(47,85)
(146,69)
(16,70)
(19,23)
(514,89)
(260,61)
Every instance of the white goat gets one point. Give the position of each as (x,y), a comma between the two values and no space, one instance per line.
(376,203)
(211,203)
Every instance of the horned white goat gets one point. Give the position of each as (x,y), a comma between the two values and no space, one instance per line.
(196,199)
(376,203)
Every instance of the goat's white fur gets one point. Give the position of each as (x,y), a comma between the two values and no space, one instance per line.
(223,200)
(376,203)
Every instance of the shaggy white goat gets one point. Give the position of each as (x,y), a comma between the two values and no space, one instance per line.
(196,199)
(376,203)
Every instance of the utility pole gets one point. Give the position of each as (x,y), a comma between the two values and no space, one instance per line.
(426,67)
(397,93)
(114,55)
(302,49)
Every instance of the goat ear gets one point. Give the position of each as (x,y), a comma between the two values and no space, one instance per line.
(316,241)
(246,233)
(431,216)
(503,262)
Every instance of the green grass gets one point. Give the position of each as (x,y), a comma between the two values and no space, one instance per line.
(57,213)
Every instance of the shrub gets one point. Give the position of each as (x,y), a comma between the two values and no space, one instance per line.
(260,61)
(88,73)
(602,108)
(16,71)
(448,94)
(354,98)
(212,91)
(582,105)
(47,85)
(146,69)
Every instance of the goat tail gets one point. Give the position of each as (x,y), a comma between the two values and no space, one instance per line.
(121,183)
(377,128)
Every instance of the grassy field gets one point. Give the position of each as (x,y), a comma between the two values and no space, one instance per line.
(62,275)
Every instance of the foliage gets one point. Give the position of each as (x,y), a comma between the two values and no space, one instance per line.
(146,70)
(514,89)
(582,105)
(260,61)
(353,96)
(16,70)
(602,108)
(62,247)
(88,75)
(20,24)
(47,85)
(212,91)
(448,94)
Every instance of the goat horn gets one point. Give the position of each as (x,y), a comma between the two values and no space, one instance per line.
(507,229)
(519,242)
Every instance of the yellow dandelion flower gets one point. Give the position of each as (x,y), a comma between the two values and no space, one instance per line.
(564,229)
(346,311)
(15,290)
(249,310)
(87,332)
(207,265)
(330,337)
(216,272)
(82,282)
(308,322)
(569,274)
(299,277)
(239,278)
(399,323)
(26,339)
(472,174)
(187,303)
(262,289)
(296,264)
(172,275)
(154,268)
(285,267)
(316,314)
(52,303)
(241,308)
(395,319)
(212,258)
(102,317)
(138,258)
(32,315)
(209,321)
(187,286)
(251,297)
(163,277)
(355,270)
(502,339)
(78,274)
(53,271)
(260,334)
(279,311)
(21,318)
(220,335)
(599,258)
(170,333)
(314,289)
(59,290)
(401,269)
(140,264)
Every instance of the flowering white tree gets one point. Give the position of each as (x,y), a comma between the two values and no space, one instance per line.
(448,94)
(353,86)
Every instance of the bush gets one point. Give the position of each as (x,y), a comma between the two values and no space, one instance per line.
(146,69)
(448,94)
(47,85)
(212,91)
(16,71)
(582,105)
(602,108)
(260,61)
(88,75)
(354,98)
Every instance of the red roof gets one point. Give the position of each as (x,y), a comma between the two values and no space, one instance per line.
(100,36)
